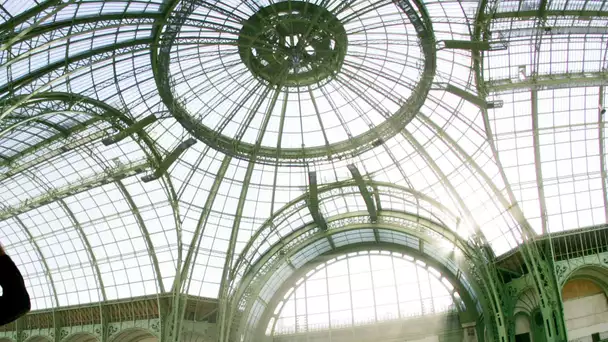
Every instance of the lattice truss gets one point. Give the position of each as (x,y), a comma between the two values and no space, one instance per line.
(470,134)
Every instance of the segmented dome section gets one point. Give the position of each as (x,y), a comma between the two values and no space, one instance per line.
(297,81)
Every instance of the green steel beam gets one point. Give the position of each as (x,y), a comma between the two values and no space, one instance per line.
(109,176)
(47,15)
(61,24)
(47,156)
(64,131)
(202,221)
(313,201)
(15,21)
(288,283)
(471,45)
(47,269)
(468,160)
(444,180)
(286,210)
(106,112)
(601,134)
(57,324)
(472,98)
(225,282)
(20,335)
(34,118)
(169,160)
(136,127)
(164,41)
(537,160)
(389,220)
(551,81)
(551,13)
(88,248)
(542,275)
(495,317)
(32,76)
(144,232)
(377,198)
(516,213)
(367,196)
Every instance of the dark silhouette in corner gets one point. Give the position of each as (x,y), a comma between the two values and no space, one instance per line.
(15,301)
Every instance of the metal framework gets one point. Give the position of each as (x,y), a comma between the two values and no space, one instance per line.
(468,133)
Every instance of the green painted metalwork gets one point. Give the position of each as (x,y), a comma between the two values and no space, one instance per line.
(550,81)
(304,38)
(542,270)
(367,196)
(136,127)
(144,232)
(51,102)
(290,156)
(601,133)
(143,43)
(264,269)
(40,255)
(225,309)
(313,201)
(169,160)
(52,195)
(202,222)
(122,18)
(474,99)
(471,45)
(280,294)
(586,13)
(537,160)
(537,261)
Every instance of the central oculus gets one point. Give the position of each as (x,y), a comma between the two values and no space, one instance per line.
(293,43)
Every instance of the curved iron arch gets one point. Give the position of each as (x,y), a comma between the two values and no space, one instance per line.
(459,287)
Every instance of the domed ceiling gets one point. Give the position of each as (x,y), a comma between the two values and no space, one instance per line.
(144,143)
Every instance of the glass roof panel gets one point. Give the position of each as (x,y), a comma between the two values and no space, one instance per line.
(361,289)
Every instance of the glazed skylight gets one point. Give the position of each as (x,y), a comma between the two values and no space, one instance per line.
(84,227)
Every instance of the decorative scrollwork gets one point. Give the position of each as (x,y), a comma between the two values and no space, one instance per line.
(112,330)
(561,271)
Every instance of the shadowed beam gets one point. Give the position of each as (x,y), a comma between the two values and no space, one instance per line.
(471,45)
(136,127)
(367,196)
(169,160)
(313,201)
(472,98)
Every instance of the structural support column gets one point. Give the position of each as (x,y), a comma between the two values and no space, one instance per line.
(313,201)
(600,126)
(224,295)
(537,160)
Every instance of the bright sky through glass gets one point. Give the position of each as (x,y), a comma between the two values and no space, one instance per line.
(362,289)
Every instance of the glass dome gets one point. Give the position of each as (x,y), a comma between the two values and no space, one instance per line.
(151,147)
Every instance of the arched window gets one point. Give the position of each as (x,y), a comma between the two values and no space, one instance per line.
(363,288)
